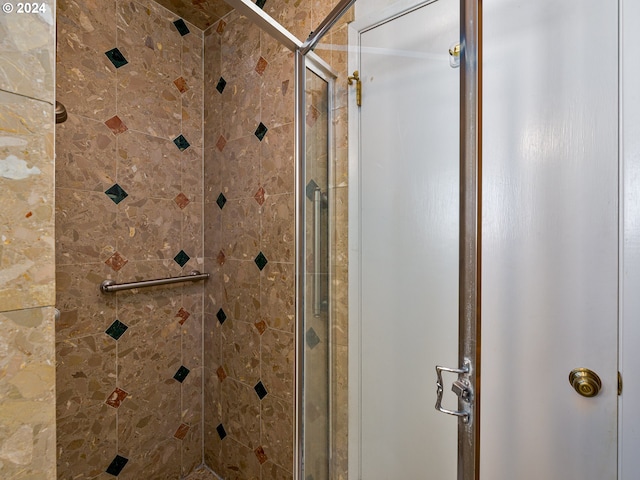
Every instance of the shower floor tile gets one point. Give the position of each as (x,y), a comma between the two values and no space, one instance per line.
(202,473)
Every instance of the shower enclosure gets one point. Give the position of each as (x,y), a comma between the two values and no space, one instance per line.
(425,193)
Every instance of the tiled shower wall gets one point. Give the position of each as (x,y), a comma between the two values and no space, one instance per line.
(27,289)
(249,242)
(129,203)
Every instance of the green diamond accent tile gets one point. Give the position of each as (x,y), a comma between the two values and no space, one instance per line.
(260,3)
(221,200)
(312,186)
(221,84)
(116,57)
(181,27)
(181,258)
(312,338)
(181,143)
(260,390)
(181,374)
(116,330)
(116,193)
(221,316)
(261,131)
(261,261)
(117,465)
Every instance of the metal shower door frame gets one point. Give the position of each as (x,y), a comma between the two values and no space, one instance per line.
(470,210)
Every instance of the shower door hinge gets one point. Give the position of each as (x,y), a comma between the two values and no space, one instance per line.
(619,384)
(350,80)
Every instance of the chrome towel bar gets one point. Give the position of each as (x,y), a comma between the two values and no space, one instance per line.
(109,286)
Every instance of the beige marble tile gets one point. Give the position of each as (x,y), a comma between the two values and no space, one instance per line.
(202,473)
(277,160)
(191,171)
(147,98)
(150,229)
(277,90)
(87,443)
(27,386)
(191,412)
(240,105)
(213,160)
(238,462)
(26,219)
(241,290)
(240,413)
(277,430)
(240,351)
(85,374)
(148,166)
(240,47)
(86,157)
(193,98)
(278,228)
(240,226)
(85,78)
(83,309)
(85,225)
(213,293)
(27,60)
(271,471)
(294,16)
(341,412)
(202,13)
(277,362)
(239,166)
(212,419)
(277,296)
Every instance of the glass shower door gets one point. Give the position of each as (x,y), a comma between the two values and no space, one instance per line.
(317,318)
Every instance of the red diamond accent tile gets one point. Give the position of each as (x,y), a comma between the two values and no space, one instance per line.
(116,261)
(221,143)
(221,373)
(220,27)
(312,116)
(182,431)
(116,125)
(181,84)
(261,326)
(116,398)
(183,314)
(259,196)
(262,457)
(221,258)
(181,200)
(261,66)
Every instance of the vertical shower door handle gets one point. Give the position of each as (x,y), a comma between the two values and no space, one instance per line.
(317,205)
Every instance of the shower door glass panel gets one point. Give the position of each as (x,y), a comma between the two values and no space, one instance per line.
(408,244)
(317,332)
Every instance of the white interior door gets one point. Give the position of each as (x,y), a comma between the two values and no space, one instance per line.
(550,238)
(408,248)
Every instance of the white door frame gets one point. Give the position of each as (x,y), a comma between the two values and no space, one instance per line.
(629,328)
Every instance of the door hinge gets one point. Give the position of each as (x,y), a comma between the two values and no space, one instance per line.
(350,80)
(619,383)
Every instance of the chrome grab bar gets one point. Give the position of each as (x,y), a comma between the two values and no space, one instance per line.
(317,264)
(109,286)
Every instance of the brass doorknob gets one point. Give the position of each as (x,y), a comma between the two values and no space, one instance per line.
(586,382)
